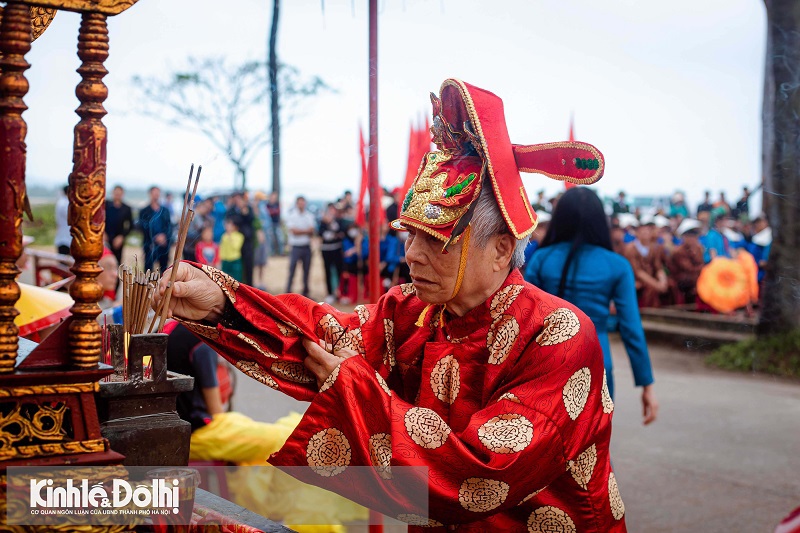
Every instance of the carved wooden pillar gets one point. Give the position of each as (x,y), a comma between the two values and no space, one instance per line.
(15,42)
(87,192)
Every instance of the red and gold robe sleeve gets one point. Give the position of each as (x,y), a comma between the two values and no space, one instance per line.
(266,343)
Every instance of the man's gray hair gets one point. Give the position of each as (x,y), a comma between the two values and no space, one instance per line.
(487,221)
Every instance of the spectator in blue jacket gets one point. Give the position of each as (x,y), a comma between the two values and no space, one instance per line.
(576,262)
(156,226)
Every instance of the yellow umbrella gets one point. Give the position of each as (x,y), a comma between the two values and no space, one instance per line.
(40,308)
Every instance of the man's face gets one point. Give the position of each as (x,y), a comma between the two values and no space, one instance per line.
(117,194)
(434,274)
(301,204)
(155,194)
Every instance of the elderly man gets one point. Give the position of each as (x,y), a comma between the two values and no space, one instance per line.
(494,386)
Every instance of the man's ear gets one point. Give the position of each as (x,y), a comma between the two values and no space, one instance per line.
(504,250)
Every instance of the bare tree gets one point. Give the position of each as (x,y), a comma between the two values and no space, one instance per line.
(781,154)
(226,103)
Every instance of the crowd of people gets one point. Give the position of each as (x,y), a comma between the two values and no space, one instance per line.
(234,232)
(667,246)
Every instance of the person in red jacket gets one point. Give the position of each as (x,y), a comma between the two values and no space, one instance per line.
(206,250)
(493,387)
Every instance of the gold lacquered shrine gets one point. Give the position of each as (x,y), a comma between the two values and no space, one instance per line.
(47,392)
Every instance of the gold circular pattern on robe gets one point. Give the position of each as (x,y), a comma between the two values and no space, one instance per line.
(228,285)
(388,333)
(382,383)
(446,379)
(617,507)
(582,467)
(503,300)
(328,452)
(426,427)
(380,454)
(510,396)
(358,340)
(291,371)
(481,495)
(501,338)
(330,380)
(333,329)
(530,496)
(363,314)
(549,519)
(417,520)
(508,433)
(608,403)
(559,326)
(253,370)
(407,289)
(576,392)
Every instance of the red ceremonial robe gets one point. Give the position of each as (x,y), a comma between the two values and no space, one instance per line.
(506,406)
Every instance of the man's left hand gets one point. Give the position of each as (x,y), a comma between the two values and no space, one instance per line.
(323,359)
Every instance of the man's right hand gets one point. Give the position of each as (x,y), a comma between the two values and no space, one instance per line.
(194,295)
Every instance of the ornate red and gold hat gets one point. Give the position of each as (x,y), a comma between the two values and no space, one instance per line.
(469,130)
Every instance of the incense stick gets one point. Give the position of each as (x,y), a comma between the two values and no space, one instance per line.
(187,216)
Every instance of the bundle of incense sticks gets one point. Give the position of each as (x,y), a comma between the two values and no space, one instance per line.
(187,215)
(137,293)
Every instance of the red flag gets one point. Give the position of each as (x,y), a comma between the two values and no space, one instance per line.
(411,166)
(361,218)
(419,143)
(568,185)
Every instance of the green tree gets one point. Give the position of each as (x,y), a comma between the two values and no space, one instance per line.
(227,103)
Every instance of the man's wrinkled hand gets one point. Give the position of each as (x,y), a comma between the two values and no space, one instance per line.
(194,295)
(323,359)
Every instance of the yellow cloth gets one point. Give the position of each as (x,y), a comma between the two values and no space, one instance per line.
(230,246)
(236,438)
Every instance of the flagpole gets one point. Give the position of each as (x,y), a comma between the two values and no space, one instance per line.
(375,194)
(375,204)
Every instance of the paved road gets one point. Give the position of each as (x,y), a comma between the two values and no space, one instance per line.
(724,455)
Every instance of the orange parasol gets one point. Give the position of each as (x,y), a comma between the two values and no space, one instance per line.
(40,308)
(747,260)
(723,284)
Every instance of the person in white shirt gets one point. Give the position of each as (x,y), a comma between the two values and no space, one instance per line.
(300,226)
(63,237)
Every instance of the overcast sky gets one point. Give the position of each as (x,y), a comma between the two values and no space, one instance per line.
(670,92)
